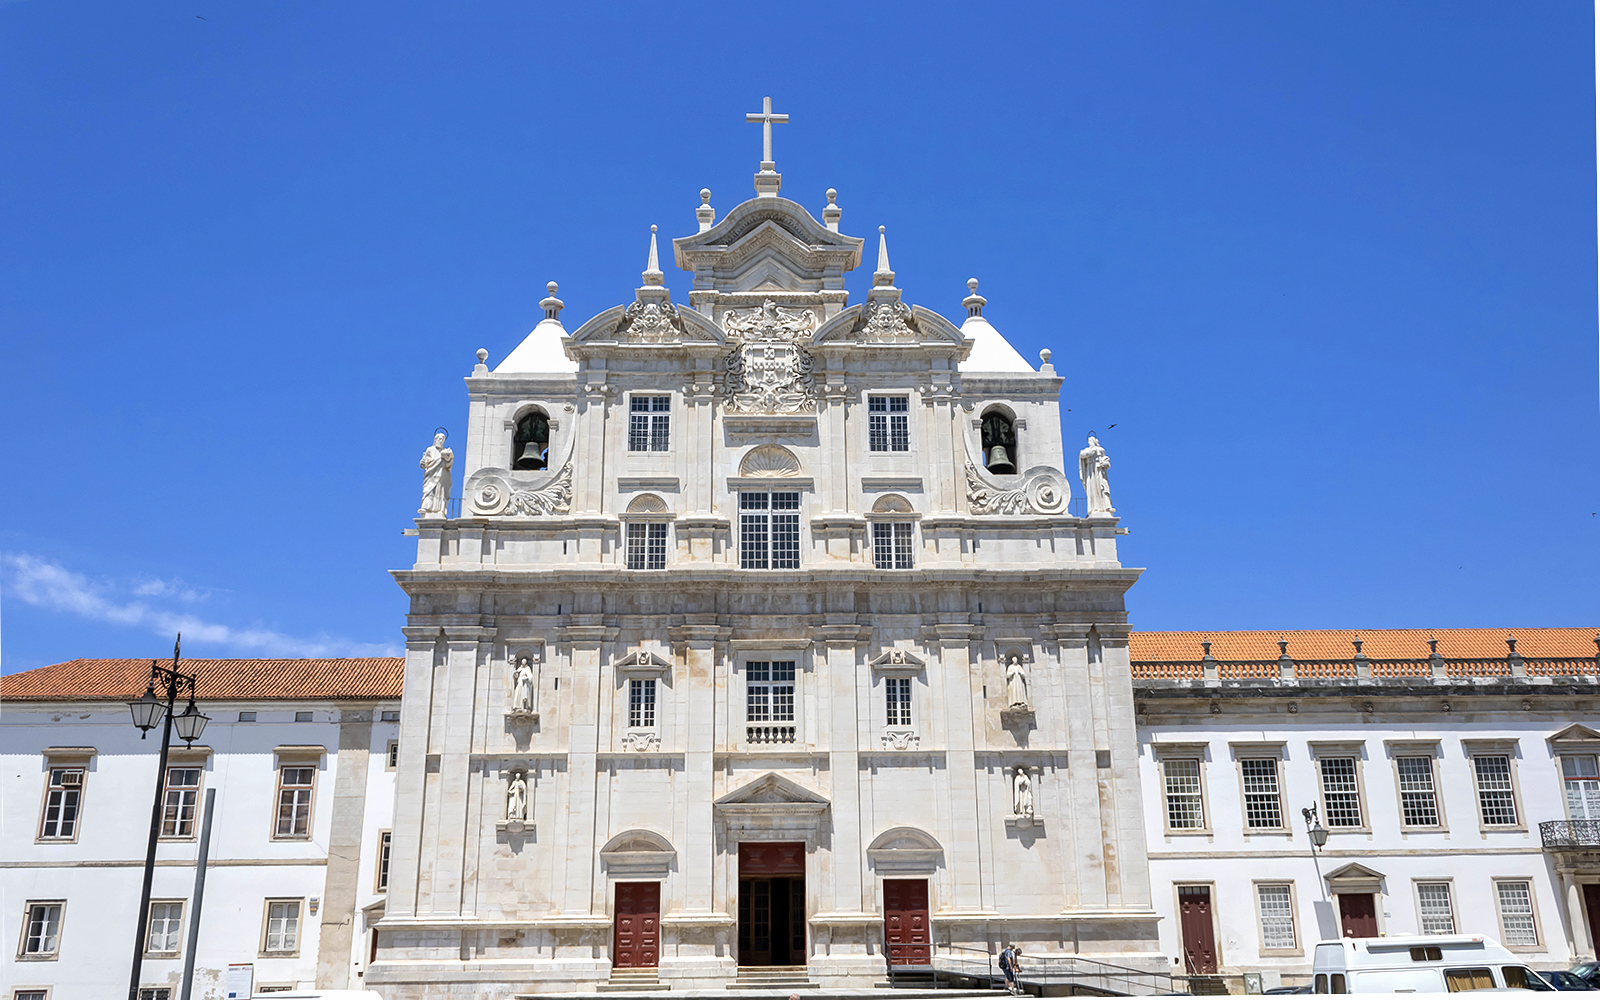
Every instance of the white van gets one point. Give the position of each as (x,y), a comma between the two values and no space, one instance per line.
(1433,963)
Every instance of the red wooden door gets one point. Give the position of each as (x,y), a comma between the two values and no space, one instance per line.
(1358,917)
(1591,903)
(636,940)
(905,921)
(1199,938)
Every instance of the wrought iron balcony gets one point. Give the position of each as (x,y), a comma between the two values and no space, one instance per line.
(1570,834)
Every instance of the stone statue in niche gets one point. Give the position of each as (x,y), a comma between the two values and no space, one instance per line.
(517,798)
(1017,683)
(1092,468)
(522,686)
(436,463)
(1021,793)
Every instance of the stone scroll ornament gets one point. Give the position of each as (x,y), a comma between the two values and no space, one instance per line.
(493,496)
(768,371)
(1043,491)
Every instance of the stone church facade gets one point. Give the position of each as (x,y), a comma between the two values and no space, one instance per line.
(768,632)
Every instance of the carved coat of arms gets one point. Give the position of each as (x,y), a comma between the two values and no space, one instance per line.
(769,371)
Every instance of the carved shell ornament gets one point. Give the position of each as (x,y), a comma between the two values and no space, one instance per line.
(769,461)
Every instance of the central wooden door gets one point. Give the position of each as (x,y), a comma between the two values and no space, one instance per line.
(1358,915)
(1199,936)
(636,936)
(1591,903)
(905,921)
(772,904)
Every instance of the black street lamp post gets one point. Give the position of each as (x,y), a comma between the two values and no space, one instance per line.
(147,711)
(1315,832)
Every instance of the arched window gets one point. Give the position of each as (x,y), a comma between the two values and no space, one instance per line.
(999,443)
(530,449)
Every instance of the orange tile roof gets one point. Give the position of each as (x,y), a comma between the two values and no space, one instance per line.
(363,678)
(1376,644)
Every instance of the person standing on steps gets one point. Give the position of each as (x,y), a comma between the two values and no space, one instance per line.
(1008,968)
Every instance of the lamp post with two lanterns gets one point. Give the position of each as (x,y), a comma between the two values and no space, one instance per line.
(148,710)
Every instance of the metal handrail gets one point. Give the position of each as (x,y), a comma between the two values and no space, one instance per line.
(1046,970)
(1569,833)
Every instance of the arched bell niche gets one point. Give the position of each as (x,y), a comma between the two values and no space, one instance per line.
(999,430)
(530,445)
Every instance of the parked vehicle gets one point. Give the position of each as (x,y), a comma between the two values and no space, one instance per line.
(1589,971)
(1434,963)
(1567,980)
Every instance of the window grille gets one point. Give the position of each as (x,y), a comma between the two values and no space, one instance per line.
(1582,780)
(769,530)
(384,840)
(888,426)
(61,801)
(891,544)
(166,922)
(649,420)
(1496,800)
(642,704)
(1263,807)
(1516,913)
(897,692)
(1341,795)
(43,934)
(294,801)
(1277,916)
(769,699)
(1185,811)
(283,925)
(1433,903)
(183,794)
(647,545)
(1419,804)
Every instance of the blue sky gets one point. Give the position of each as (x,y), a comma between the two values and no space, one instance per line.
(1329,268)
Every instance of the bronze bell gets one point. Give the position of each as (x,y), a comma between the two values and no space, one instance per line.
(1000,462)
(531,452)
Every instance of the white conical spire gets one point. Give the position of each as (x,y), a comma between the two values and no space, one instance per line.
(652,268)
(883,276)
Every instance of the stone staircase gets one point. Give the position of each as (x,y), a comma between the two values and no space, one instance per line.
(772,978)
(631,980)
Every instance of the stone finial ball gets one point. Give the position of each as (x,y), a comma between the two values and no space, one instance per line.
(882,229)
(832,194)
(483,355)
(972,284)
(705,196)
(652,229)
(551,288)
(1044,355)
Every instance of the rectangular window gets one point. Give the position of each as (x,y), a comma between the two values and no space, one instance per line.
(29,995)
(647,545)
(1434,907)
(1581,778)
(1263,806)
(62,798)
(1277,916)
(247,716)
(769,701)
(1517,925)
(182,795)
(384,839)
(1185,810)
(41,933)
(1341,794)
(891,544)
(294,801)
(1419,805)
(1497,803)
(649,420)
(887,423)
(391,755)
(897,692)
(642,704)
(302,716)
(769,530)
(155,993)
(166,924)
(283,926)
(390,715)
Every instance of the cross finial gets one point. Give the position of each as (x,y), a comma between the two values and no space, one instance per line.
(768,180)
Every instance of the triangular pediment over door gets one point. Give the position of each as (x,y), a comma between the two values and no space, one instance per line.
(1354,878)
(772,807)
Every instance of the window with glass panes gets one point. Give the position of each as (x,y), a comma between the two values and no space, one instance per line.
(649,421)
(182,795)
(897,694)
(30,995)
(769,530)
(1497,802)
(642,703)
(166,922)
(647,545)
(283,925)
(1581,779)
(1185,810)
(1263,806)
(1517,926)
(888,423)
(61,802)
(1434,906)
(384,839)
(1341,794)
(294,800)
(155,993)
(1419,803)
(41,935)
(891,544)
(769,698)
(1277,916)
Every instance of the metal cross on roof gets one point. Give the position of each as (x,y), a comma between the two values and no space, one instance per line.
(767,120)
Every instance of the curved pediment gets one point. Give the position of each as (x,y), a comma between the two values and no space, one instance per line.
(649,321)
(888,321)
(769,461)
(637,841)
(768,243)
(904,838)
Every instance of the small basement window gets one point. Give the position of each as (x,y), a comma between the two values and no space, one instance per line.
(247,716)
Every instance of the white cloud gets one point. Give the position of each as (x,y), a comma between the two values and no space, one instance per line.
(45,584)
